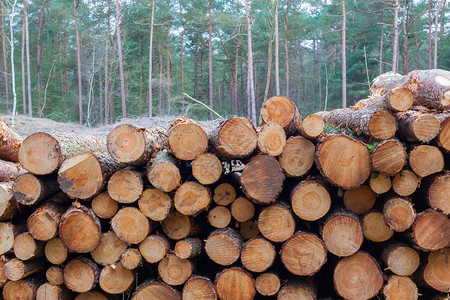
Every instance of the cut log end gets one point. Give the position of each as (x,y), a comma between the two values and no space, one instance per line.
(224,194)
(430,230)
(26,247)
(297,291)
(280,110)
(163,173)
(131,259)
(199,288)
(154,248)
(109,250)
(178,226)
(235,283)
(399,214)
(444,132)
(130,225)
(358,277)
(276,223)
(359,200)
(50,291)
(207,168)
(187,140)
(80,275)
(248,230)
(268,284)
(104,206)
(54,275)
(271,139)
(188,248)
(425,160)
(174,270)
(258,255)
(438,193)
(400,99)
(380,183)
(20,289)
(382,125)
(156,291)
(310,200)
(40,153)
(405,183)
(297,156)
(242,210)
(223,246)
(28,188)
(125,186)
(191,198)
(437,270)
(374,228)
(401,259)
(126,143)
(115,279)
(388,157)
(219,217)
(155,204)
(400,287)
(55,252)
(312,126)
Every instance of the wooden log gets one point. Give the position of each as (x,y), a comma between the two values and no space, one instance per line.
(426,160)
(359,200)
(223,246)
(186,139)
(198,287)
(298,290)
(8,232)
(437,270)
(132,145)
(188,248)
(109,250)
(9,171)
(48,291)
(207,168)
(400,287)
(271,139)
(399,214)
(174,270)
(91,295)
(191,198)
(297,156)
(84,175)
(126,186)
(235,283)
(30,189)
(416,126)
(178,226)
(242,210)
(154,248)
(9,208)
(282,111)
(400,259)
(104,206)
(405,183)
(395,99)
(81,274)
(430,231)
(343,161)
(312,127)
(249,229)
(26,247)
(155,291)
(380,183)
(16,269)
(358,277)
(377,123)
(310,200)
(115,279)
(163,172)
(443,138)
(388,157)
(219,217)
(155,204)
(55,252)
(43,223)
(374,227)
(54,275)
(130,225)
(436,189)
(429,88)
(234,138)
(43,153)
(257,255)
(262,179)
(224,194)
(21,289)
(268,284)
(3,278)
(276,222)
(342,233)
(10,143)
(385,82)
(80,229)
(131,259)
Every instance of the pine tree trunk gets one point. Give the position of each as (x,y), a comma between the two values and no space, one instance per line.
(107,104)
(395,54)
(344,59)
(22,64)
(5,64)
(119,49)
(210,66)
(80,87)
(150,63)
(30,107)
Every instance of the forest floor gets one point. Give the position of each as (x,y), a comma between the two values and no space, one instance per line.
(25,125)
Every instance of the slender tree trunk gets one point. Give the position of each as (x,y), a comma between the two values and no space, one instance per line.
(39,54)
(344,61)
(150,61)
(395,55)
(119,49)
(201,75)
(5,61)
(195,75)
(287,70)
(106,64)
(210,78)
(161,96)
(22,62)
(250,62)
(100,81)
(60,72)
(381,42)
(436,31)
(11,47)
(269,57)
(405,33)
(277,57)
(235,81)
(168,67)
(66,81)
(27,53)
(80,97)
(429,33)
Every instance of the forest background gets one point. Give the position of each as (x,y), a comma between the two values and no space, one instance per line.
(95,62)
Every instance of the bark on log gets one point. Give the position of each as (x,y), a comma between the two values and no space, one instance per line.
(224,194)
(178,226)
(400,287)
(388,157)
(374,227)
(131,259)
(163,172)
(126,186)
(155,291)
(198,287)
(417,126)
(207,168)
(109,250)
(343,161)
(219,217)
(310,200)
(21,289)
(115,279)
(130,225)
(84,175)
(257,255)
(303,254)
(104,206)
(16,269)
(235,283)
(399,214)
(81,274)
(188,248)
(282,111)
(268,284)
(297,156)
(9,171)
(80,229)
(430,231)
(242,210)
(312,127)
(55,252)
(276,222)
(9,208)
(361,268)
(223,246)
(191,198)
(400,259)
(426,160)
(155,204)
(42,153)
(234,138)
(26,247)
(174,270)
(132,145)
(271,139)
(359,200)
(54,275)
(186,139)
(154,248)
(430,88)
(48,291)
(385,82)
(30,189)
(10,143)
(262,179)
(405,183)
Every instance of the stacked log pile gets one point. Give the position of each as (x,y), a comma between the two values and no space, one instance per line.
(351,203)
